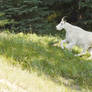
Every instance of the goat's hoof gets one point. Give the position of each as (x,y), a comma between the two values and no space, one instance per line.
(62,47)
(76,55)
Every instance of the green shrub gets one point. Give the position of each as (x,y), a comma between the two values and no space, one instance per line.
(27,15)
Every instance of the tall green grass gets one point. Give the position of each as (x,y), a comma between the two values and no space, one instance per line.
(37,53)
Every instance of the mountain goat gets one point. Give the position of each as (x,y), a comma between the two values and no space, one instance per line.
(76,36)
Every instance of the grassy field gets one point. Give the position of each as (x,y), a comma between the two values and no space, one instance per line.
(40,66)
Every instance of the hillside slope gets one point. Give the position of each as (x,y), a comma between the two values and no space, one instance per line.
(13,79)
(51,69)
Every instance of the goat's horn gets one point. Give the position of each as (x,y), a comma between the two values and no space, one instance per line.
(63,19)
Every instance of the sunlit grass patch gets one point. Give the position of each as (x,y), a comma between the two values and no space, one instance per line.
(14,79)
(37,53)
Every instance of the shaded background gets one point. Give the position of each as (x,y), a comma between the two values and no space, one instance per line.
(41,16)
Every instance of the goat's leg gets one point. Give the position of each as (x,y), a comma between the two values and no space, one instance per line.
(83,52)
(90,51)
(63,41)
(70,45)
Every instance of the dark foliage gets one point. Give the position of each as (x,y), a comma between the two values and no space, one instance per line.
(79,12)
(24,15)
(41,16)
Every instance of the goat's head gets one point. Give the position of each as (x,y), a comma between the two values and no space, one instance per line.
(61,25)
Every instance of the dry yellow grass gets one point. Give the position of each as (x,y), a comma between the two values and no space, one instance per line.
(14,79)
(38,55)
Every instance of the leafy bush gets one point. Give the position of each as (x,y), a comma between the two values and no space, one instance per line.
(27,15)
(86,12)
(40,16)
(79,12)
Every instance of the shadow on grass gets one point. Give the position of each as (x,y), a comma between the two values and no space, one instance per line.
(52,61)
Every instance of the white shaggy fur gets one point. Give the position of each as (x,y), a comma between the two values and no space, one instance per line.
(76,36)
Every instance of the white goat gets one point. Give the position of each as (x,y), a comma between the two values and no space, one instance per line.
(76,36)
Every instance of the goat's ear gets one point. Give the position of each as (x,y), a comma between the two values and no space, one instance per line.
(62,19)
